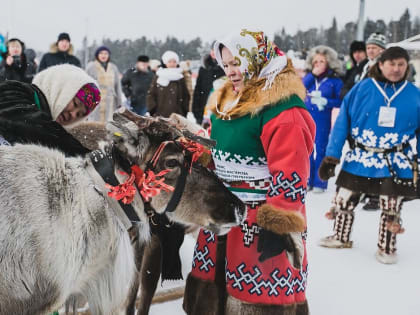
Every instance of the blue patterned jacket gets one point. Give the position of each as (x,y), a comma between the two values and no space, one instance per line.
(358,118)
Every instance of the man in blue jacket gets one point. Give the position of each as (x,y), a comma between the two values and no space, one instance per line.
(380,117)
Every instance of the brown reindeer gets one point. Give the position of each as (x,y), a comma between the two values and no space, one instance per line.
(148,258)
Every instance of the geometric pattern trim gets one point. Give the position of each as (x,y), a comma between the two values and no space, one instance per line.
(201,257)
(272,285)
(288,186)
(210,236)
(249,232)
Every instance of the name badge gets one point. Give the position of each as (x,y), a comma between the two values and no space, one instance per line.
(387,116)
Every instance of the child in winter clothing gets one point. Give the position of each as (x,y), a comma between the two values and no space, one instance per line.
(323,94)
(380,117)
(264,137)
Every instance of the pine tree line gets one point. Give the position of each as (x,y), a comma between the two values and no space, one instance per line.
(125,51)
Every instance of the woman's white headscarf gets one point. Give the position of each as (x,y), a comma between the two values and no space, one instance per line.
(257,56)
(60,84)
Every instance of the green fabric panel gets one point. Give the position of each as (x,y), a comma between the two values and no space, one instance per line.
(242,135)
(37,102)
(272,111)
(255,191)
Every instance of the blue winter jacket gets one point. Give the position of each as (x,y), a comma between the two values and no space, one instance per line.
(330,89)
(358,117)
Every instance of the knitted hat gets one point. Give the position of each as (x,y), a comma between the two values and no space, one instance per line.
(62,36)
(60,84)
(90,96)
(377,39)
(168,55)
(101,48)
(143,58)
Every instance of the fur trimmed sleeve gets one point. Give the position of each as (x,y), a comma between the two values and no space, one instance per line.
(288,142)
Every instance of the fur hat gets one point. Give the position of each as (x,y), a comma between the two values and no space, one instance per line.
(101,48)
(357,46)
(60,84)
(329,53)
(143,58)
(377,39)
(63,36)
(168,55)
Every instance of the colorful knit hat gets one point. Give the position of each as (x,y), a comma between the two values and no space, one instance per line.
(377,39)
(256,54)
(90,96)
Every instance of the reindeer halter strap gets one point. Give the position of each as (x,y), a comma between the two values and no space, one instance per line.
(104,165)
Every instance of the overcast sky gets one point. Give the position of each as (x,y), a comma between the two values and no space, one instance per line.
(38,22)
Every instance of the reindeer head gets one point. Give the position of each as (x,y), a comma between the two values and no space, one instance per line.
(205,200)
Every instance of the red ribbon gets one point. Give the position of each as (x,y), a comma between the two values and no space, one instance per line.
(148,184)
(195,148)
(125,191)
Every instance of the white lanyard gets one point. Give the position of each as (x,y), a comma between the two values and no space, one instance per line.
(389,100)
(318,84)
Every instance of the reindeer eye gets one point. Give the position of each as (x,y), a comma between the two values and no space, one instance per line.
(171,163)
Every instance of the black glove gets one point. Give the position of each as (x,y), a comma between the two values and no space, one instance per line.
(327,168)
(271,244)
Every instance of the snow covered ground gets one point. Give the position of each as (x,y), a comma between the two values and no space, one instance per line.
(349,281)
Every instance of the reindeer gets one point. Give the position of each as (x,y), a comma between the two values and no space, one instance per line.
(60,231)
(148,257)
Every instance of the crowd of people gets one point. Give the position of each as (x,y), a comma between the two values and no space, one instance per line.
(276,140)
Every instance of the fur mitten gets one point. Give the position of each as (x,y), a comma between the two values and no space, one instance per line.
(327,168)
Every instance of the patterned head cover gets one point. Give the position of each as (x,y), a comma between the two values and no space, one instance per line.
(256,55)
(90,96)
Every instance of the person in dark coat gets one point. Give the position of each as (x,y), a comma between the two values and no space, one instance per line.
(208,72)
(14,65)
(168,92)
(32,65)
(39,113)
(359,60)
(60,52)
(135,84)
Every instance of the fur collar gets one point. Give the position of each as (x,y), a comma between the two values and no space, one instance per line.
(253,99)
(54,49)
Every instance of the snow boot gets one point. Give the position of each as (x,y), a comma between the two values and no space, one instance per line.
(332,242)
(342,228)
(390,219)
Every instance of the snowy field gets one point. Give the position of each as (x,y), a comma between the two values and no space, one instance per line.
(349,281)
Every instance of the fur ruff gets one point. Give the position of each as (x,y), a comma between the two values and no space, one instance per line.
(253,99)
(54,48)
(280,221)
